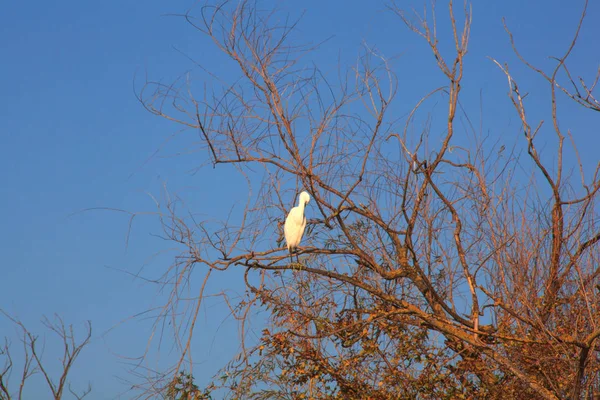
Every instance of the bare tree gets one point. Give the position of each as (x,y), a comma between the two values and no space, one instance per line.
(33,363)
(430,269)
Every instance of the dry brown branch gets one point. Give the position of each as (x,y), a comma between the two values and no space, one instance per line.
(32,359)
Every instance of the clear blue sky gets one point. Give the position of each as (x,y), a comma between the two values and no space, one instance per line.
(73,136)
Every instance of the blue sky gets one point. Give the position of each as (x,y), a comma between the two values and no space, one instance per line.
(73,136)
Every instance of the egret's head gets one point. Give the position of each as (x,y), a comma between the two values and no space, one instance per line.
(304,198)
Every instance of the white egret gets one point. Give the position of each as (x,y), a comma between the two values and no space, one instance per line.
(295,224)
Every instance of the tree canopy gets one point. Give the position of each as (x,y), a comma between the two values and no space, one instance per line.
(438,263)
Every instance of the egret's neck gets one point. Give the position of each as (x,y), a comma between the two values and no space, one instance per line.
(302,205)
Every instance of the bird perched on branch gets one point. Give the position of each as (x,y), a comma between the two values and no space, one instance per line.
(295,224)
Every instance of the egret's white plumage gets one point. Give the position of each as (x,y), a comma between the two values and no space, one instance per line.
(295,223)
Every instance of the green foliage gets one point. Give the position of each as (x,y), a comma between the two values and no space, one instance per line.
(182,387)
